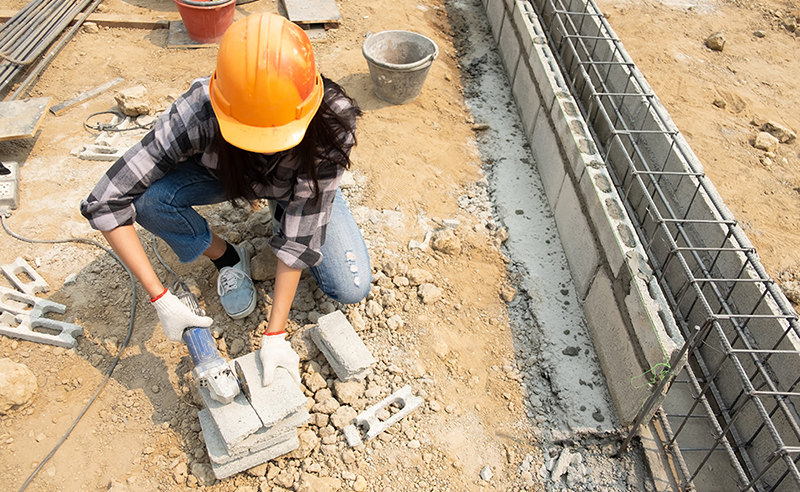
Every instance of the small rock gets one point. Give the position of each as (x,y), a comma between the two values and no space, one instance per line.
(760,33)
(263,265)
(766,142)
(486,473)
(360,485)
(315,382)
(90,28)
(348,392)
(720,103)
(311,483)
(447,242)
(560,468)
(395,323)
(204,474)
(343,416)
(782,133)
(791,289)
(418,276)
(303,344)
(237,346)
(308,442)
(571,351)
(716,41)
(429,293)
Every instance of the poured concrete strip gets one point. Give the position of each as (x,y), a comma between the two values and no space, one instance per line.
(19,266)
(344,349)
(369,420)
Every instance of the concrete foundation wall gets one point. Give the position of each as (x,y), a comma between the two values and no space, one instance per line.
(630,322)
(625,310)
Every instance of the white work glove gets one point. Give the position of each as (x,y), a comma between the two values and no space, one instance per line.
(276,352)
(175,316)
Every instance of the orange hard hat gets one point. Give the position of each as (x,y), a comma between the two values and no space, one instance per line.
(266,87)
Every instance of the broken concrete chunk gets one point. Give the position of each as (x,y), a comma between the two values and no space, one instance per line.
(370,420)
(133,101)
(445,241)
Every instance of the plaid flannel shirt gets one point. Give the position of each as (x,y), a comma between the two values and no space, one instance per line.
(187,129)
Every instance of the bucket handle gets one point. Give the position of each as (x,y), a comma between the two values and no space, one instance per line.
(409,66)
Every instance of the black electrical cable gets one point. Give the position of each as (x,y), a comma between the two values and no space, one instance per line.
(113,363)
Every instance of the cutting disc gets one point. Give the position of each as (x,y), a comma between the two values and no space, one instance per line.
(242,381)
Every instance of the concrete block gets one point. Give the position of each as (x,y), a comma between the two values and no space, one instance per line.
(371,425)
(596,188)
(235,421)
(25,329)
(495,14)
(218,452)
(527,97)
(522,15)
(246,462)
(582,254)
(546,153)
(9,186)
(344,349)
(274,402)
(615,351)
(543,71)
(37,283)
(509,47)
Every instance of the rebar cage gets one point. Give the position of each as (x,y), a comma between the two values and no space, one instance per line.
(734,402)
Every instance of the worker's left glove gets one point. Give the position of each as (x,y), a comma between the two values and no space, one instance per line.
(276,352)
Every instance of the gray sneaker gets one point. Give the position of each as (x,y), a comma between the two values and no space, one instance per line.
(235,287)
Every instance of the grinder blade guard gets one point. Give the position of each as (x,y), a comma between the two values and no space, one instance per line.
(210,369)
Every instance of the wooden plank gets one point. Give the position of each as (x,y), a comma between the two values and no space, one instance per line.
(60,108)
(20,119)
(310,12)
(109,20)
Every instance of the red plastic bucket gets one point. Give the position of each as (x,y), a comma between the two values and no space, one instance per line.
(206,22)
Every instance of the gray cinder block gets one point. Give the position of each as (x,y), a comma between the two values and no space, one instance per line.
(344,349)
(372,425)
(24,312)
(274,402)
(256,443)
(235,420)
(12,270)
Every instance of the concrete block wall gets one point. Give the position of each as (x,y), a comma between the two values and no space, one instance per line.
(625,310)
(631,324)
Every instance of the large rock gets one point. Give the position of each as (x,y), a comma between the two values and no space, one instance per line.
(133,101)
(263,265)
(17,385)
(782,133)
(446,241)
(766,142)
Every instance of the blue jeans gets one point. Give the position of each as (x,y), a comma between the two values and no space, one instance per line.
(165,209)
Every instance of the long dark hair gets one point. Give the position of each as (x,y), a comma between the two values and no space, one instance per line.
(325,138)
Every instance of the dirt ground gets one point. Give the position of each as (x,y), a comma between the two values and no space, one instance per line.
(412,164)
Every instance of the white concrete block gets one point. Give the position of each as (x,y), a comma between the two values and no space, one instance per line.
(577,238)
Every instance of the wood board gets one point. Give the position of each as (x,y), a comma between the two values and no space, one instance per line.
(21,118)
(313,12)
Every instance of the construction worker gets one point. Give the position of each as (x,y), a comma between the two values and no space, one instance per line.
(265,125)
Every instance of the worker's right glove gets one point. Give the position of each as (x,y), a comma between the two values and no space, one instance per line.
(276,351)
(176,316)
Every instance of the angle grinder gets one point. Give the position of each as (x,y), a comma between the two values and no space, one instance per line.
(211,370)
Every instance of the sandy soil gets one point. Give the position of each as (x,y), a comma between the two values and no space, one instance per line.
(412,164)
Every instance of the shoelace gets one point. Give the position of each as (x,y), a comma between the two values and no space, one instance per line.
(229,279)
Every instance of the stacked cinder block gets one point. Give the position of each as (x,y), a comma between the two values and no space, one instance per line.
(244,434)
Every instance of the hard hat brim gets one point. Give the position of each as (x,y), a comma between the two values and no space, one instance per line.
(265,139)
